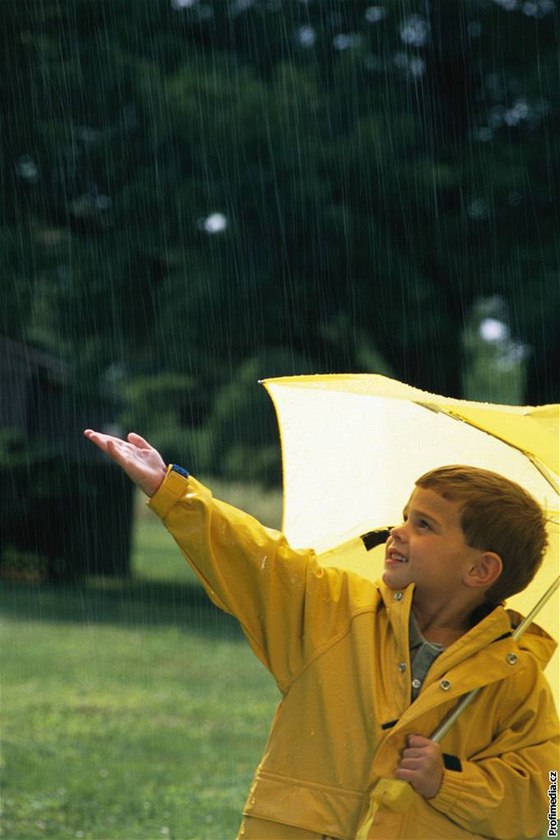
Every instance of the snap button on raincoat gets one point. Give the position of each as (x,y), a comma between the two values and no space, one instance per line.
(335,644)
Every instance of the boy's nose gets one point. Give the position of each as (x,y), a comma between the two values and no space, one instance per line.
(396,532)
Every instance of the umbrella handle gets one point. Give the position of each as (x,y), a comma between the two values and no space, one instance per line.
(394,794)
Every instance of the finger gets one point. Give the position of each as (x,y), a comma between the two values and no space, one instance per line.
(418,741)
(410,764)
(113,448)
(97,438)
(405,775)
(416,752)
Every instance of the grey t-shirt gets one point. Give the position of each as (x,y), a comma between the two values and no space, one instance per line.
(422,654)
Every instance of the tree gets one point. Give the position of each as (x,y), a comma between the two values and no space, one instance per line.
(188,184)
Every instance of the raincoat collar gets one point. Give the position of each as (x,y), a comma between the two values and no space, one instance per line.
(496,626)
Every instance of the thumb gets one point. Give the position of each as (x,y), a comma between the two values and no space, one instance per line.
(139,441)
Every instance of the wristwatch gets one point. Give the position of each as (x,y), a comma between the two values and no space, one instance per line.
(181,470)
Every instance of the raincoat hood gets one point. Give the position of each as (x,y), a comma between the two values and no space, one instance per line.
(535,640)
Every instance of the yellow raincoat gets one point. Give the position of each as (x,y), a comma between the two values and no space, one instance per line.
(337,646)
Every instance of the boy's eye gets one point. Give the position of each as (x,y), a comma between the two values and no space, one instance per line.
(417,522)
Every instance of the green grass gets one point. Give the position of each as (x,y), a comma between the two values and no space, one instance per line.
(131,710)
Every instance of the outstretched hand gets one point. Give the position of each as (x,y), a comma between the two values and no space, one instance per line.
(422,765)
(139,460)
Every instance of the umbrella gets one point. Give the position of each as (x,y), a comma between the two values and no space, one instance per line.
(353,445)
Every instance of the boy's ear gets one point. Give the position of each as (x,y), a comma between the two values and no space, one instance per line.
(485,571)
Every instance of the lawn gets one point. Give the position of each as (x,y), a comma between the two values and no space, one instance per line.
(131,710)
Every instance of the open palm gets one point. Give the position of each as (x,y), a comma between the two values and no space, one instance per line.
(140,461)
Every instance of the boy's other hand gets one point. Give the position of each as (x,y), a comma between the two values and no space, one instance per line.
(422,766)
(139,460)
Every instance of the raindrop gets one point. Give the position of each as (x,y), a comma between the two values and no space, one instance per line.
(346,41)
(374,14)
(517,114)
(508,5)
(484,134)
(400,60)
(478,209)
(416,66)
(240,6)
(27,169)
(413,65)
(496,117)
(90,204)
(214,223)
(87,134)
(491,330)
(306,36)
(513,354)
(102,203)
(415,31)
(537,8)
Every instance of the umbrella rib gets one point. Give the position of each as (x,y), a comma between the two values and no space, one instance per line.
(550,479)
(543,471)
(520,629)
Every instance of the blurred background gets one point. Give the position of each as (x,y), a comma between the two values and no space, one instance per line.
(197,195)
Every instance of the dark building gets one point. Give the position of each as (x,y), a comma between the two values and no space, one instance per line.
(61,501)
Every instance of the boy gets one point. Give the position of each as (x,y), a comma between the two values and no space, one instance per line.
(367,671)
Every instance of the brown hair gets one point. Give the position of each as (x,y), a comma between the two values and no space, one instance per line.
(496,515)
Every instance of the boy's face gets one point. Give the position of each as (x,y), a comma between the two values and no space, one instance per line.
(429,548)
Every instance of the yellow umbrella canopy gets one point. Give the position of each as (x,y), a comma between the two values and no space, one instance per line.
(353,445)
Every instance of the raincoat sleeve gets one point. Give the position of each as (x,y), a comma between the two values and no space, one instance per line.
(251,572)
(503,791)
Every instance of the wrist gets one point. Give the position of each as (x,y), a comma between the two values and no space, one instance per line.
(152,485)
(435,788)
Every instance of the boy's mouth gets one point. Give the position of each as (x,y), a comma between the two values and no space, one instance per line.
(396,556)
